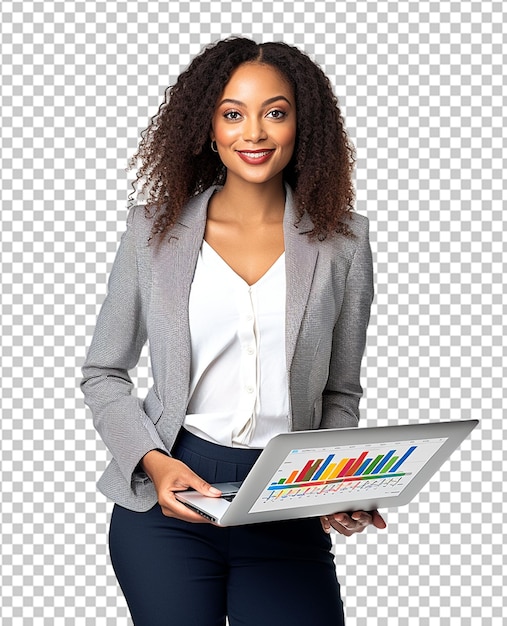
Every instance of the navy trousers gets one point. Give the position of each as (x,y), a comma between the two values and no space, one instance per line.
(175,573)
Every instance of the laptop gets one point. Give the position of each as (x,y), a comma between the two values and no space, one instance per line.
(320,472)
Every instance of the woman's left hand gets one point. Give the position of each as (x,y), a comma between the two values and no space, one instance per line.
(349,524)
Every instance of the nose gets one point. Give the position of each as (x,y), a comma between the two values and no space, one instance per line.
(253,130)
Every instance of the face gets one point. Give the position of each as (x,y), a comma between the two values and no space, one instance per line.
(254,124)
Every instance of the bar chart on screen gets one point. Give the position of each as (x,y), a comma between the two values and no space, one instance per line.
(346,473)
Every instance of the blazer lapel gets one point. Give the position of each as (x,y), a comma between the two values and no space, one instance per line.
(300,261)
(174,265)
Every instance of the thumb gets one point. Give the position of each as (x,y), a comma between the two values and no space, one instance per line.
(200,485)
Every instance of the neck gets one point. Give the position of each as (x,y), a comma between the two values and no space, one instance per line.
(252,202)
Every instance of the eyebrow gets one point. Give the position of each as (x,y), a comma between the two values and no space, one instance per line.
(265,103)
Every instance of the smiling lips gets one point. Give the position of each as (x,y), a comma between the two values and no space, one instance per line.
(255,157)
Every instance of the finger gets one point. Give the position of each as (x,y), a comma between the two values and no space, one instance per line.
(194,481)
(343,524)
(326,524)
(356,520)
(353,524)
(378,521)
(361,517)
(206,489)
(340,528)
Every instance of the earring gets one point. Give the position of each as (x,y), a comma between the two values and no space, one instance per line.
(214,149)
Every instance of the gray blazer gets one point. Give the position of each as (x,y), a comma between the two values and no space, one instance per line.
(329,294)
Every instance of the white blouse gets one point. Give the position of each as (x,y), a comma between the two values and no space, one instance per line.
(238,387)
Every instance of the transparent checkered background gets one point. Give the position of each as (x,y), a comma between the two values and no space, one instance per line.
(421,86)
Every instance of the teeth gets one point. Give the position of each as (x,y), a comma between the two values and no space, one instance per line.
(256,155)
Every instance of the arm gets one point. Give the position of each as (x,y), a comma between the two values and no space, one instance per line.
(119,417)
(119,337)
(340,405)
(343,390)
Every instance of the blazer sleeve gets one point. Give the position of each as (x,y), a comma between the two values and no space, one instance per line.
(119,337)
(340,402)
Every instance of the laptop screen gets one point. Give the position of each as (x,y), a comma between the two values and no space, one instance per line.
(344,473)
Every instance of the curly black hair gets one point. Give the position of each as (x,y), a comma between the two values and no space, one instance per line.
(175,156)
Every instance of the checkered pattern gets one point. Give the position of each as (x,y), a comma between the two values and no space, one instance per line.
(421,85)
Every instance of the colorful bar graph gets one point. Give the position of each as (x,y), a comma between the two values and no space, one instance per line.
(331,470)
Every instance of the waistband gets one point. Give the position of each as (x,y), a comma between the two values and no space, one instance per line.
(189,441)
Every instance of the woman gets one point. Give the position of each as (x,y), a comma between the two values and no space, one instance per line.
(252,280)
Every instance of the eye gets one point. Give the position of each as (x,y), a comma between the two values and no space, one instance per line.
(276,114)
(232,115)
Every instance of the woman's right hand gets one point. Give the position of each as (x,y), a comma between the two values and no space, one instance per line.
(169,475)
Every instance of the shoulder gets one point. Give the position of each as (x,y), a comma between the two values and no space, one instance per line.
(141,218)
(359,224)
(347,246)
(140,223)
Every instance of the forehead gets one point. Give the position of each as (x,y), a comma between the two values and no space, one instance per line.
(255,79)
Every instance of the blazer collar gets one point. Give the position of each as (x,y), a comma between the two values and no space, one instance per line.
(195,212)
(300,261)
